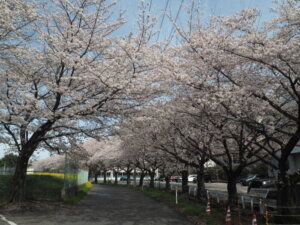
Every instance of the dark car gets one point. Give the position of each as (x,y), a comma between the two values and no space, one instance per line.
(262,182)
(123,178)
(246,181)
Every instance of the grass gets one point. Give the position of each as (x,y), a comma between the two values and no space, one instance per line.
(37,187)
(80,194)
(187,206)
(4,187)
(41,187)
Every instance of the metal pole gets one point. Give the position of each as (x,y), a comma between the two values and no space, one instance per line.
(266,216)
(64,193)
(239,211)
(134,177)
(207,192)
(176,198)
(243,201)
(261,207)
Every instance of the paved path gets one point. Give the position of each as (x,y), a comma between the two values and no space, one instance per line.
(104,205)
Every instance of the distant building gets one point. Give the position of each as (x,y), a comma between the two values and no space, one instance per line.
(209,164)
(294,160)
(30,170)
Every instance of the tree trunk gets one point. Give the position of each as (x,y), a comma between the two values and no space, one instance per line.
(134,176)
(185,186)
(104,177)
(96,178)
(19,177)
(116,177)
(128,177)
(141,179)
(152,174)
(168,186)
(200,183)
(231,188)
(287,197)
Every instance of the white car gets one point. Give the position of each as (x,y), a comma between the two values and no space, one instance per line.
(192,177)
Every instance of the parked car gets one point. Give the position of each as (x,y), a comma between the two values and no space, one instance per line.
(245,181)
(123,178)
(175,179)
(147,178)
(192,177)
(160,179)
(262,182)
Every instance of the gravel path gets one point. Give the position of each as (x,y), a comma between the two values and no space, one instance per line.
(104,205)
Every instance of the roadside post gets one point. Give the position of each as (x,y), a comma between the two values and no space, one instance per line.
(239,212)
(176,194)
(218,198)
(261,206)
(243,201)
(134,177)
(266,214)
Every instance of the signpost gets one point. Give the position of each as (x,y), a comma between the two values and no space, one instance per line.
(176,194)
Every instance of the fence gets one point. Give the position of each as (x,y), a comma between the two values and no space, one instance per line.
(6,171)
(42,185)
(74,177)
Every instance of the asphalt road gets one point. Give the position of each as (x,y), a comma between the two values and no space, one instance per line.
(223,187)
(104,205)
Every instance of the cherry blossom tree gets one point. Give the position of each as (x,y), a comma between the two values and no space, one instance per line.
(193,133)
(260,64)
(103,155)
(67,154)
(53,163)
(71,79)
(168,139)
(274,57)
(136,133)
(15,16)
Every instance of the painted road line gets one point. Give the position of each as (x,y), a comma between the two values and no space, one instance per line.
(7,221)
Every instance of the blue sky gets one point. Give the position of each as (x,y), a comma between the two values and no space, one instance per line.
(208,8)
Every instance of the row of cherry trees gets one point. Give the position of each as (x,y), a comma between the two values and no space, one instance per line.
(245,81)
(229,92)
(232,95)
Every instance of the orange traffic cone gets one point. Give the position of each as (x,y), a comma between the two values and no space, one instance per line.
(208,211)
(228,217)
(254,221)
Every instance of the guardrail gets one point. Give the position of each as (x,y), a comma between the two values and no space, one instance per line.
(256,198)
